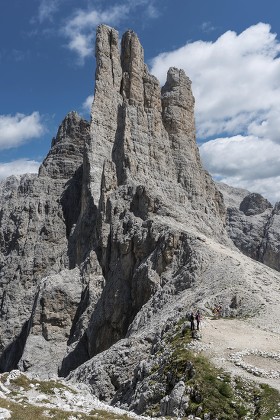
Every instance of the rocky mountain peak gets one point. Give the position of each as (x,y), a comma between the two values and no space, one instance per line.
(147,134)
(177,95)
(253,204)
(132,62)
(253,224)
(120,234)
(67,148)
(66,128)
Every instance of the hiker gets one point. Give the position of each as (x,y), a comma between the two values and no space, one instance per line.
(198,318)
(192,321)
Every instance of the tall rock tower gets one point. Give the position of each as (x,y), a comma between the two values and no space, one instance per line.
(144,136)
(111,217)
(143,179)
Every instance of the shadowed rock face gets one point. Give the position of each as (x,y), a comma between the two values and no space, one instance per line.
(144,157)
(105,203)
(36,216)
(120,232)
(253,224)
(254,204)
(67,149)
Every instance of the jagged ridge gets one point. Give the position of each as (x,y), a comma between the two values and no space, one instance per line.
(132,234)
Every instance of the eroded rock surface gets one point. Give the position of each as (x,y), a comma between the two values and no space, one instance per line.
(121,231)
(36,217)
(253,224)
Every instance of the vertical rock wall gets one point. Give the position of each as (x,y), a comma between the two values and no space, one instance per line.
(109,221)
(148,136)
(36,217)
(144,173)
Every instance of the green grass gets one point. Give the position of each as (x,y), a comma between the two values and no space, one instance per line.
(31,412)
(24,410)
(213,390)
(267,402)
(103,415)
(22,381)
(46,387)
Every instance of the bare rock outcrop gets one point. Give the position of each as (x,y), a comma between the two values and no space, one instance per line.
(143,169)
(148,138)
(157,209)
(254,204)
(253,225)
(36,217)
(120,232)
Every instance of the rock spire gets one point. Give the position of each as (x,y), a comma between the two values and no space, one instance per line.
(145,132)
(120,233)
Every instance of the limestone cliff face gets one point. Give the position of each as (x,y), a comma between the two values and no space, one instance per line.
(120,232)
(147,137)
(143,171)
(102,213)
(253,224)
(36,215)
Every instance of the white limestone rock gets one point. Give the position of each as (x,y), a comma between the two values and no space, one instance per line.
(121,233)
(253,224)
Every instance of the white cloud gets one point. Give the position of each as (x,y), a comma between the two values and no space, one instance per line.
(80,28)
(234,78)
(267,125)
(18,167)
(87,103)
(207,27)
(266,186)
(18,129)
(152,12)
(245,162)
(47,8)
(236,84)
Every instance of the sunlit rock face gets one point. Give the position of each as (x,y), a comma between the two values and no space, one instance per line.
(253,224)
(119,234)
(37,213)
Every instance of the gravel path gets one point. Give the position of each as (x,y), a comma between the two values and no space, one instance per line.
(242,349)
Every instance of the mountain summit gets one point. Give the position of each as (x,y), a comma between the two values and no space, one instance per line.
(120,234)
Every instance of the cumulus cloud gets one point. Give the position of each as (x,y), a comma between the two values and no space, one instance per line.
(80,27)
(18,167)
(18,129)
(234,78)
(236,84)
(246,162)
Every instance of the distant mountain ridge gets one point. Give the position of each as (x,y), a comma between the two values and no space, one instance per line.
(253,224)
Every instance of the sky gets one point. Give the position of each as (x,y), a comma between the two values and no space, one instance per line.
(229,49)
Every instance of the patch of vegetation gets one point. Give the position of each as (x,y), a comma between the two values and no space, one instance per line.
(31,412)
(210,389)
(21,381)
(103,415)
(46,387)
(267,402)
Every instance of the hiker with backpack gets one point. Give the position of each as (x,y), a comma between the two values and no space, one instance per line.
(198,319)
(191,318)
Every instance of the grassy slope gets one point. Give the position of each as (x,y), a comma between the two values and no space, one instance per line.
(210,390)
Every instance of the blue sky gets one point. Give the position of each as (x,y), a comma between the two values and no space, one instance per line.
(229,49)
